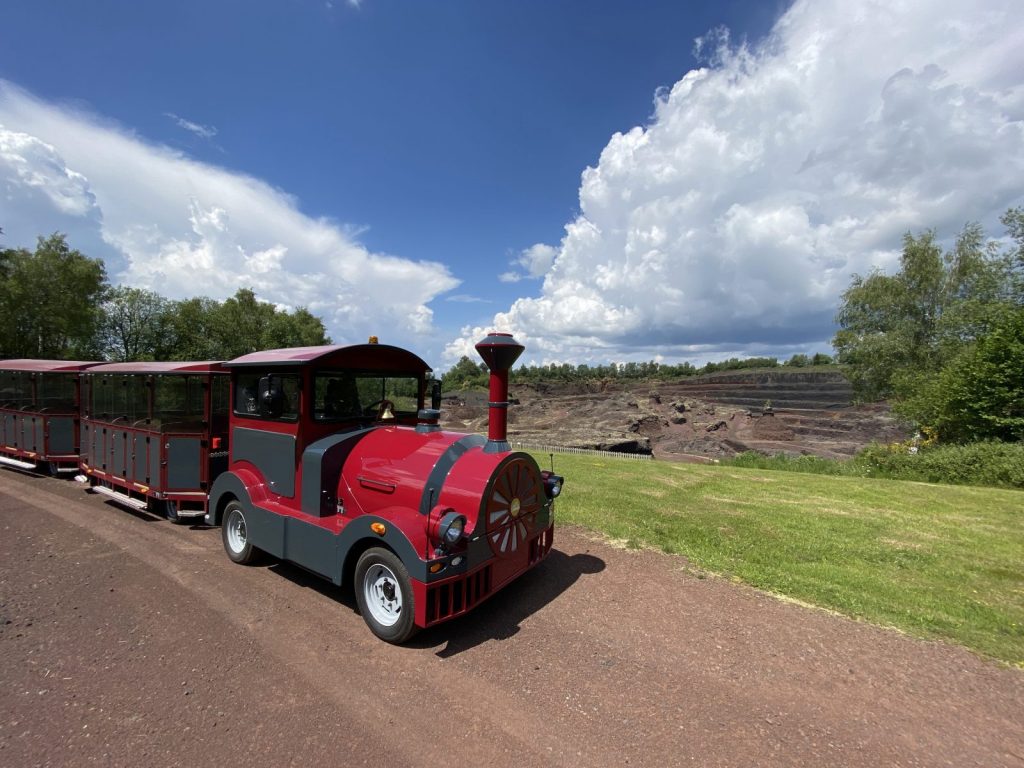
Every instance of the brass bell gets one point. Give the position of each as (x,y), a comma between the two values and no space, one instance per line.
(387,413)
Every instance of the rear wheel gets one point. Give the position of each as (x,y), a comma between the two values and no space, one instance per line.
(384,594)
(235,535)
(171,511)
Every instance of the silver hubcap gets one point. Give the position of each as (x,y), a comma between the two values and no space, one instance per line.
(236,532)
(382,594)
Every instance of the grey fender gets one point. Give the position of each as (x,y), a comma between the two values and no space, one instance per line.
(357,536)
(226,484)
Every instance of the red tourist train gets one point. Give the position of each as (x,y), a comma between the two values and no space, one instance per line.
(331,458)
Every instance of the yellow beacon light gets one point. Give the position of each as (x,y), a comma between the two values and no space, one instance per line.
(373,340)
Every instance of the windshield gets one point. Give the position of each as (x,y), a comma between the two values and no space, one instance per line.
(339,395)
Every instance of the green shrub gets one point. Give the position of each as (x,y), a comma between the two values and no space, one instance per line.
(999,465)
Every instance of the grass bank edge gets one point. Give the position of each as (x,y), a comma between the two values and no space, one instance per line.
(935,561)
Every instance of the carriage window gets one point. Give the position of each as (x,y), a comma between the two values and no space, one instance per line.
(15,389)
(136,397)
(346,395)
(179,400)
(102,388)
(221,402)
(56,391)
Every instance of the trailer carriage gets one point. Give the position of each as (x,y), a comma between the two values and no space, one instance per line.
(39,414)
(154,435)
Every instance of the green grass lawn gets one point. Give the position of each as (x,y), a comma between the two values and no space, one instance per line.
(936,561)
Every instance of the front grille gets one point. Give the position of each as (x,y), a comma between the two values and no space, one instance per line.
(455,597)
(540,546)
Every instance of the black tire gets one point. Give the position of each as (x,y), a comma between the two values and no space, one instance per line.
(384,595)
(171,511)
(234,534)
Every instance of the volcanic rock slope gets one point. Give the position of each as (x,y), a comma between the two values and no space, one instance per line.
(776,411)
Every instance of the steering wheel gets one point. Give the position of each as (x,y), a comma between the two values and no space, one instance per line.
(380,407)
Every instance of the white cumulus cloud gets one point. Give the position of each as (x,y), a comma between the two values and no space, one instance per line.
(531,262)
(185,228)
(732,222)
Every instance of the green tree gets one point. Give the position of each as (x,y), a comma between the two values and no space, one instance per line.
(464,375)
(943,336)
(137,325)
(204,329)
(194,330)
(896,329)
(979,394)
(50,301)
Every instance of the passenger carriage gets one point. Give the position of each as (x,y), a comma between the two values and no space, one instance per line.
(39,414)
(154,435)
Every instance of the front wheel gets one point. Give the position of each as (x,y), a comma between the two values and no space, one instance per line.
(384,594)
(235,534)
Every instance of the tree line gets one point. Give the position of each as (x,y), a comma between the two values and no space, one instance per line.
(58,304)
(467,374)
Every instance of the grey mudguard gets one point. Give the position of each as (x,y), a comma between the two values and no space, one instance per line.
(311,546)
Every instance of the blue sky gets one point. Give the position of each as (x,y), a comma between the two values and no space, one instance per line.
(425,171)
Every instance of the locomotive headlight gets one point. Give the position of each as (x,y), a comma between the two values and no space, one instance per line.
(552,484)
(452,526)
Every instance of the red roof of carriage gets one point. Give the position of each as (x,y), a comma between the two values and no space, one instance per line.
(45,366)
(207,366)
(355,355)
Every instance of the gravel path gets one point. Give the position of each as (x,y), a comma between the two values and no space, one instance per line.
(127,641)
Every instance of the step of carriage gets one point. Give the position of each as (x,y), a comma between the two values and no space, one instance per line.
(17,463)
(122,498)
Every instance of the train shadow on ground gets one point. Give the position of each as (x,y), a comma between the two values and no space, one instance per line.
(303,578)
(499,618)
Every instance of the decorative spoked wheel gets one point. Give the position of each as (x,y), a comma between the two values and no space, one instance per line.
(512,507)
(235,535)
(384,594)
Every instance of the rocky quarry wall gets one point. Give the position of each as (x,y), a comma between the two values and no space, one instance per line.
(721,414)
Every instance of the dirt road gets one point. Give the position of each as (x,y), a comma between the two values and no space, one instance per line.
(126,640)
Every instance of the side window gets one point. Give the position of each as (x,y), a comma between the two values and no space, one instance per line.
(246,394)
(56,391)
(272,396)
(15,389)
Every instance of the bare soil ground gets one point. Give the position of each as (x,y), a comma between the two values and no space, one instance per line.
(126,641)
(707,416)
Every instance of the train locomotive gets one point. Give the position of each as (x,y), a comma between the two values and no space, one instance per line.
(331,458)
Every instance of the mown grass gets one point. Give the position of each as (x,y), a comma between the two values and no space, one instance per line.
(936,561)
